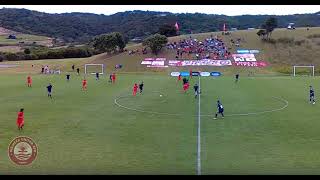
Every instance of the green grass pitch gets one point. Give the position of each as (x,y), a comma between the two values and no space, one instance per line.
(87,133)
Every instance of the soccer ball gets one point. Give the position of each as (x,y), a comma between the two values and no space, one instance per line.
(160,95)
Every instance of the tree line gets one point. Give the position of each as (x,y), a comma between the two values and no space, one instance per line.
(82,27)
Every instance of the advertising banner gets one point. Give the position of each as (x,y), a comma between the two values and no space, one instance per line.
(175,63)
(204,74)
(246,51)
(243,57)
(215,74)
(184,73)
(252,64)
(203,62)
(175,74)
(159,64)
(195,73)
(146,62)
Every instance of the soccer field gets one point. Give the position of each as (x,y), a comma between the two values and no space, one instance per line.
(269,128)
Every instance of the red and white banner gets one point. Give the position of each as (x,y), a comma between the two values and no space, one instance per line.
(244,57)
(203,62)
(146,62)
(157,64)
(252,64)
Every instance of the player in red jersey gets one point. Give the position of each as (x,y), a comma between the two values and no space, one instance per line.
(190,73)
(29,81)
(84,84)
(135,89)
(20,119)
(185,87)
(179,78)
(113,78)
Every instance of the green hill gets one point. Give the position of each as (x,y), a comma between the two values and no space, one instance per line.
(83,26)
(303,50)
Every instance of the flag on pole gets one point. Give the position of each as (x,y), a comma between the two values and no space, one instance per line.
(177,26)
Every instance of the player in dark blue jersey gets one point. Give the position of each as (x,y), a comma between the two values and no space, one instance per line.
(196,90)
(237,78)
(141,87)
(49,89)
(97,76)
(312,100)
(220,110)
(68,77)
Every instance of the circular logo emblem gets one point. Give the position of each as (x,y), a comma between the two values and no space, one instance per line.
(22,150)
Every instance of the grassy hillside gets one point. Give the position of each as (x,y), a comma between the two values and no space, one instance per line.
(15,45)
(281,56)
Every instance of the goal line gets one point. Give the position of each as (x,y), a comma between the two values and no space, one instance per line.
(295,71)
(100,71)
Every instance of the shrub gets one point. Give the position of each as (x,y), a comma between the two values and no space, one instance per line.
(299,43)
(11,56)
(27,51)
(271,41)
(285,40)
(313,36)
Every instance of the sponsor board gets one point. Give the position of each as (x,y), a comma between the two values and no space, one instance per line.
(254,51)
(203,62)
(246,51)
(175,63)
(175,74)
(204,74)
(252,64)
(243,51)
(195,73)
(215,74)
(157,63)
(184,73)
(244,57)
(146,62)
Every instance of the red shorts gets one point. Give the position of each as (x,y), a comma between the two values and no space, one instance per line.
(20,123)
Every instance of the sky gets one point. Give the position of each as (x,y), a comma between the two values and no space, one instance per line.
(230,10)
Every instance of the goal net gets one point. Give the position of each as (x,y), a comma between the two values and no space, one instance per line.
(303,70)
(94,68)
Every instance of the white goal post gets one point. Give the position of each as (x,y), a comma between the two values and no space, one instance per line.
(294,69)
(86,68)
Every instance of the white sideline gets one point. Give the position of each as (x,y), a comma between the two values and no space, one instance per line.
(199,134)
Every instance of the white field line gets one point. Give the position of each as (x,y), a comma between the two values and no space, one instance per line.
(199,134)
(173,114)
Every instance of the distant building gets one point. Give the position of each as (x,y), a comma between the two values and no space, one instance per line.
(136,39)
(162,15)
(12,36)
(251,28)
(291,26)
